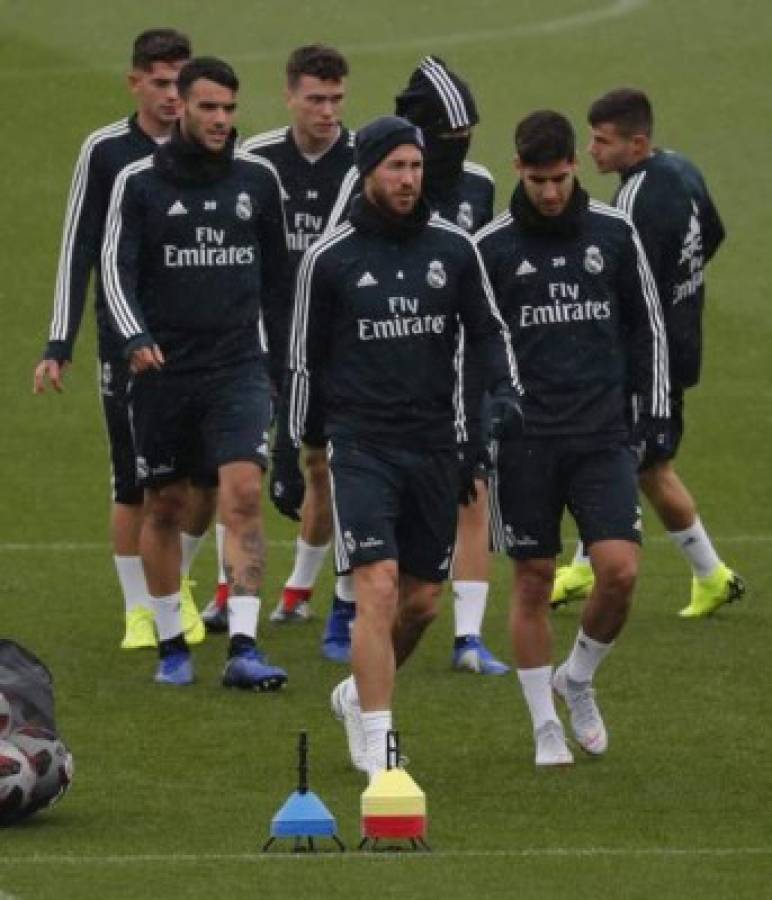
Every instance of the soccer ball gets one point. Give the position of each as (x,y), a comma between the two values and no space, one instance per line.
(17,781)
(50,759)
(5,716)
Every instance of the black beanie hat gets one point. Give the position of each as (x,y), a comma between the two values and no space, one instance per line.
(379,137)
(437,99)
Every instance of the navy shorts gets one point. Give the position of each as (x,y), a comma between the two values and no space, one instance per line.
(113,374)
(538,478)
(186,423)
(390,503)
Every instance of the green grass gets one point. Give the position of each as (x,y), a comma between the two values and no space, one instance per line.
(174,790)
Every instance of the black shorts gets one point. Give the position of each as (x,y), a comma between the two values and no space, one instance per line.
(113,374)
(187,423)
(676,430)
(538,478)
(390,503)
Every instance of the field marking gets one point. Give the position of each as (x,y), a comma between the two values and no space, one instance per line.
(94,546)
(613,10)
(527,853)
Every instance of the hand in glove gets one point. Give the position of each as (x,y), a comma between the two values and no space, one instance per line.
(506,413)
(651,439)
(288,487)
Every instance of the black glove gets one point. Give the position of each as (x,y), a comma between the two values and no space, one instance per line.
(651,439)
(467,469)
(506,413)
(288,487)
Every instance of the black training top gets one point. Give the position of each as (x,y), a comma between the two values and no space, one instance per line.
(377,307)
(102,156)
(195,250)
(584,316)
(667,199)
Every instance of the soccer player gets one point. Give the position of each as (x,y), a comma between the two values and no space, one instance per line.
(194,253)
(666,197)
(157,58)
(442,105)
(376,315)
(574,286)
(314,157)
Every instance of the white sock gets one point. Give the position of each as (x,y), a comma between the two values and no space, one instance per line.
(190,544)
(308,562)
(586,655)
(376,725)
(344,588)
(469,599)
(696,546)
(219,534)
(168,621)
(131,577)
(581,557)
(537,690)
(350,691)
(243,613)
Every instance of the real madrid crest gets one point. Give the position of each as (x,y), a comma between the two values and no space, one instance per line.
(436,277)
(465,217)
(243,206)
(593,260)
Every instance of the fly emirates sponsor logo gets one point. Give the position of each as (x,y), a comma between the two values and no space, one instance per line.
(566,306)
(209,249)
(406,320)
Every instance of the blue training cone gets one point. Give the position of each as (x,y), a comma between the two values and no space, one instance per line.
(303,815)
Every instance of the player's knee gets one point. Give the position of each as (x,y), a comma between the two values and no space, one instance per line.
(533,583)
(617,579)
(164,507)
(242,502)
(423,606)
(377,591)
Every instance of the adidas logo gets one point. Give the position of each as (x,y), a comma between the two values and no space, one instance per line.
(525,268)
(177,209)
(367,280)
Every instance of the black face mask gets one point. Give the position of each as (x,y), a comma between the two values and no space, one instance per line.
(444,157)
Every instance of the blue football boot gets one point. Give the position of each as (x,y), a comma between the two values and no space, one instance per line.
(248,669)
(336,643)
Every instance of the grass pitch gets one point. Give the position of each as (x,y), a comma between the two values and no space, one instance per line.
(175,790)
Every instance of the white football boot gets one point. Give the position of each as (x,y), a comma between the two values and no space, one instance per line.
(586,720)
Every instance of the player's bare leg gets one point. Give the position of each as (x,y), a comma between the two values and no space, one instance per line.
(125,528)
(713,582)
(615,565)
(313,541)
(197,517)
(531,634)
(240,509)
(471,572)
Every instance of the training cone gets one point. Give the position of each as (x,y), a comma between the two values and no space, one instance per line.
(393,806)
(303,815)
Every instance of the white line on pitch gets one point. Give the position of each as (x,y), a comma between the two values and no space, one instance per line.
(526,853)
(93,546)
(613,10)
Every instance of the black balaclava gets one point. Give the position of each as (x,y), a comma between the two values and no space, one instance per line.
(439,102)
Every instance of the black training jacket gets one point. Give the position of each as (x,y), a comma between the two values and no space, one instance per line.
(191,264)
(666,197)
(585,319)
(102,156)
(317,196)
(374,333)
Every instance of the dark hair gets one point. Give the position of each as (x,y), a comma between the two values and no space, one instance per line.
(159,45)
(627,108)
(317,60)
(208,67)
(545,137)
